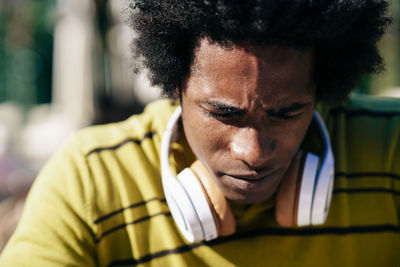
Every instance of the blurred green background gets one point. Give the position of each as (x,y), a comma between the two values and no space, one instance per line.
(26,51)
(388,82)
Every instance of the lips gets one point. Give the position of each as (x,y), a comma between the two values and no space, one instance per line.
(250,182)
(253,176)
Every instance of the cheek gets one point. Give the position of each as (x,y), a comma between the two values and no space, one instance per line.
(287,146)
(207,139)
(289,138)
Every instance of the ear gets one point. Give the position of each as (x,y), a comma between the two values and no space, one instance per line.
(177,94)
(219,205)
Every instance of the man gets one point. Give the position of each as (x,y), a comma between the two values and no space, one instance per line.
(248,76)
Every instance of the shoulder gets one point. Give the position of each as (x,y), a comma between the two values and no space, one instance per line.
(136,129)
(100,180)
(123,165)
(110,169)
(111,166)
(121,159)
(140,133)
(365,138)
(366,132)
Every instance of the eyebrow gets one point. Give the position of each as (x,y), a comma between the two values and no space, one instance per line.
(220,106)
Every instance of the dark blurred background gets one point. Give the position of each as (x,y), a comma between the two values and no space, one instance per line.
(66,64)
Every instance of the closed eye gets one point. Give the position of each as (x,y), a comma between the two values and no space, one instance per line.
(287,117)
(292,112)
(225,114)
(222,111)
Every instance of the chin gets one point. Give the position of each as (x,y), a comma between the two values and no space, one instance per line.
(248,197)
(249,192)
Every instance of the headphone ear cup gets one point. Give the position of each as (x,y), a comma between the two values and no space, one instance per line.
(219,205)
(287,198)
(198,200)
(183,211)
(306,193)
(323,192)
(295,196)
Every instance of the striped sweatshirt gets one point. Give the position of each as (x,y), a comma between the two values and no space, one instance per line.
(99,201)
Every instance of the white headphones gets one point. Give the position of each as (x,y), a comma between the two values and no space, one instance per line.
(201,212)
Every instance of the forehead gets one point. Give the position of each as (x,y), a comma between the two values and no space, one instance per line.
(272,56)
(257,70)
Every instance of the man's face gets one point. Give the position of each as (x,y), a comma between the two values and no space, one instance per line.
(245,112)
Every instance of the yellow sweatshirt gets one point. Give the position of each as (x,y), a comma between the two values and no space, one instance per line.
(99,201)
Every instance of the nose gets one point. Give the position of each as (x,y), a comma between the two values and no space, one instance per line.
(252,147)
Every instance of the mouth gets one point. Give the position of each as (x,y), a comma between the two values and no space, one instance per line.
(251,181)
(252,177)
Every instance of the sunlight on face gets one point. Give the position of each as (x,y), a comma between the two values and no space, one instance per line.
(245,112)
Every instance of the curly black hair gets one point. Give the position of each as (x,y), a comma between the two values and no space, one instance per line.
(343,35)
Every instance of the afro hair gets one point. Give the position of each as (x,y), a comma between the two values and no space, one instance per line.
(343,35)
